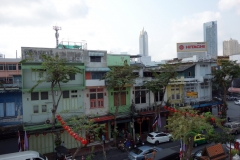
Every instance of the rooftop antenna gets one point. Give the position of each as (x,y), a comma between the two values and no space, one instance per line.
(57,28)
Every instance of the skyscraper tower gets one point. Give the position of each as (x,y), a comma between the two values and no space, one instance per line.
(210,36)
(143,43)
(231,47)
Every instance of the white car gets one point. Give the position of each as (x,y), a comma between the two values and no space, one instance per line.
(158,137)
(237,102)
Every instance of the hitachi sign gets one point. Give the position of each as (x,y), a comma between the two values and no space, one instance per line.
(192,47)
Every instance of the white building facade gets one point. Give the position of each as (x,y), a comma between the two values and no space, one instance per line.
(231,47)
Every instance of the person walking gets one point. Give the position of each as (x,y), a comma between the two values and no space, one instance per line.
(103,139)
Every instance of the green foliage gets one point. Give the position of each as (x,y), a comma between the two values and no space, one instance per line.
(91,155)
(83,125)
(185,126)
(161,77)
(54,70)
(234,152)
(223,77)
(221,137)
(119,76)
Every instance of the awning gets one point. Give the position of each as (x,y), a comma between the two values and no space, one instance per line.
(207,104)
(99,54)
(97,69)
(104,118)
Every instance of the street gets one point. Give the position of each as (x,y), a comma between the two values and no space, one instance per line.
(233,113)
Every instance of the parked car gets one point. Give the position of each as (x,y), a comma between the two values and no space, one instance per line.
(217,98)
(233,127)
(199,139)
(140,152)
(237,102)
(231,98)
(158,137)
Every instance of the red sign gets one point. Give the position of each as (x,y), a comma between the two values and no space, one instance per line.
(192,47)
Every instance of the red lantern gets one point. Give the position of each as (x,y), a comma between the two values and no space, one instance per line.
(69,130)
(65,127)
(44,133)
(165,107)
(75,136)
(71,133)
(63,123)
(169,108)
(58,116)
(212,118)
(36,134)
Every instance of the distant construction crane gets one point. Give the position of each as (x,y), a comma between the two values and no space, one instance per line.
(57,28)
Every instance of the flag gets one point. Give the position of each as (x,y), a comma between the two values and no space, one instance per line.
(155,122)
(25,142)
(159,121)
(19,142)
(181,149)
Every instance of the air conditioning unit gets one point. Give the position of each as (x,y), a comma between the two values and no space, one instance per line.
(47,121)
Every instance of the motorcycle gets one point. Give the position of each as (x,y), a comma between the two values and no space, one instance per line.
(139,142)
(120,146)
(127,145)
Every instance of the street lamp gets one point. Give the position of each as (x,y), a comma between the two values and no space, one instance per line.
(140,121)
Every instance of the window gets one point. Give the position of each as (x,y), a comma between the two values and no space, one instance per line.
(140,95)
(72,76)
(35,109)
(1,110)
(96,98)
(175,91)
(204,85)
(1,66)
(97,75)
(19,67)
(158,96)
(10,109)
(189,87)
(189,74)
(95,59)
(44,108)
(44,95)
(122,98)
(11,67)
(65,94)
(34,96)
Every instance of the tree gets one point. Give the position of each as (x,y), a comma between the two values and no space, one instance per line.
(224,76)
(184,124)
(54,71)
(160,81)
(82,126)
(117,78)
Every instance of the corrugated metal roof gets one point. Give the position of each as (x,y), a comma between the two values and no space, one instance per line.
(97,69)
(100,54)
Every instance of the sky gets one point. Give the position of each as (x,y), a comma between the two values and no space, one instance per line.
(115,25)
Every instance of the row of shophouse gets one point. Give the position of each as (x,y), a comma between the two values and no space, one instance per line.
(87,94)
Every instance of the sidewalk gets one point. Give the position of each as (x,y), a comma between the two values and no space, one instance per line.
(85,150)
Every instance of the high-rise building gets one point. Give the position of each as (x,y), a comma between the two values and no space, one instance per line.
(210,36)
(143,43)
(231,47)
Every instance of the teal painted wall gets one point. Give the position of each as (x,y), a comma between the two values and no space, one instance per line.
(117,60)
(191,70)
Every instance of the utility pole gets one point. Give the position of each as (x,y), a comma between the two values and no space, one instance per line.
(56,28)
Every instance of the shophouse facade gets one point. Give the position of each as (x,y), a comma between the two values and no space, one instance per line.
(11,110)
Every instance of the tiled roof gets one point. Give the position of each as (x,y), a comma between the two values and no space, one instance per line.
(214,152)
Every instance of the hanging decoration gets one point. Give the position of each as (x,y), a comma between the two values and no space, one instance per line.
(36,134)
(69,130)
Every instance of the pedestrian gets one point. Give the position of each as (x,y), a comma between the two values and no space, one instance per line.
(103,139)
(63,143)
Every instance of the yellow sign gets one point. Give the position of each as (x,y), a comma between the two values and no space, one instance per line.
(192,94)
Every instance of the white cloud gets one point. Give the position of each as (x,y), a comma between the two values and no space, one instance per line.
(229,4)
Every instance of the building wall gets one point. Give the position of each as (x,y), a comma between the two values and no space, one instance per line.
(11,111)
(123,108)
(231,47)
(75,105)
(99,110)
(30,78)
(117,60)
